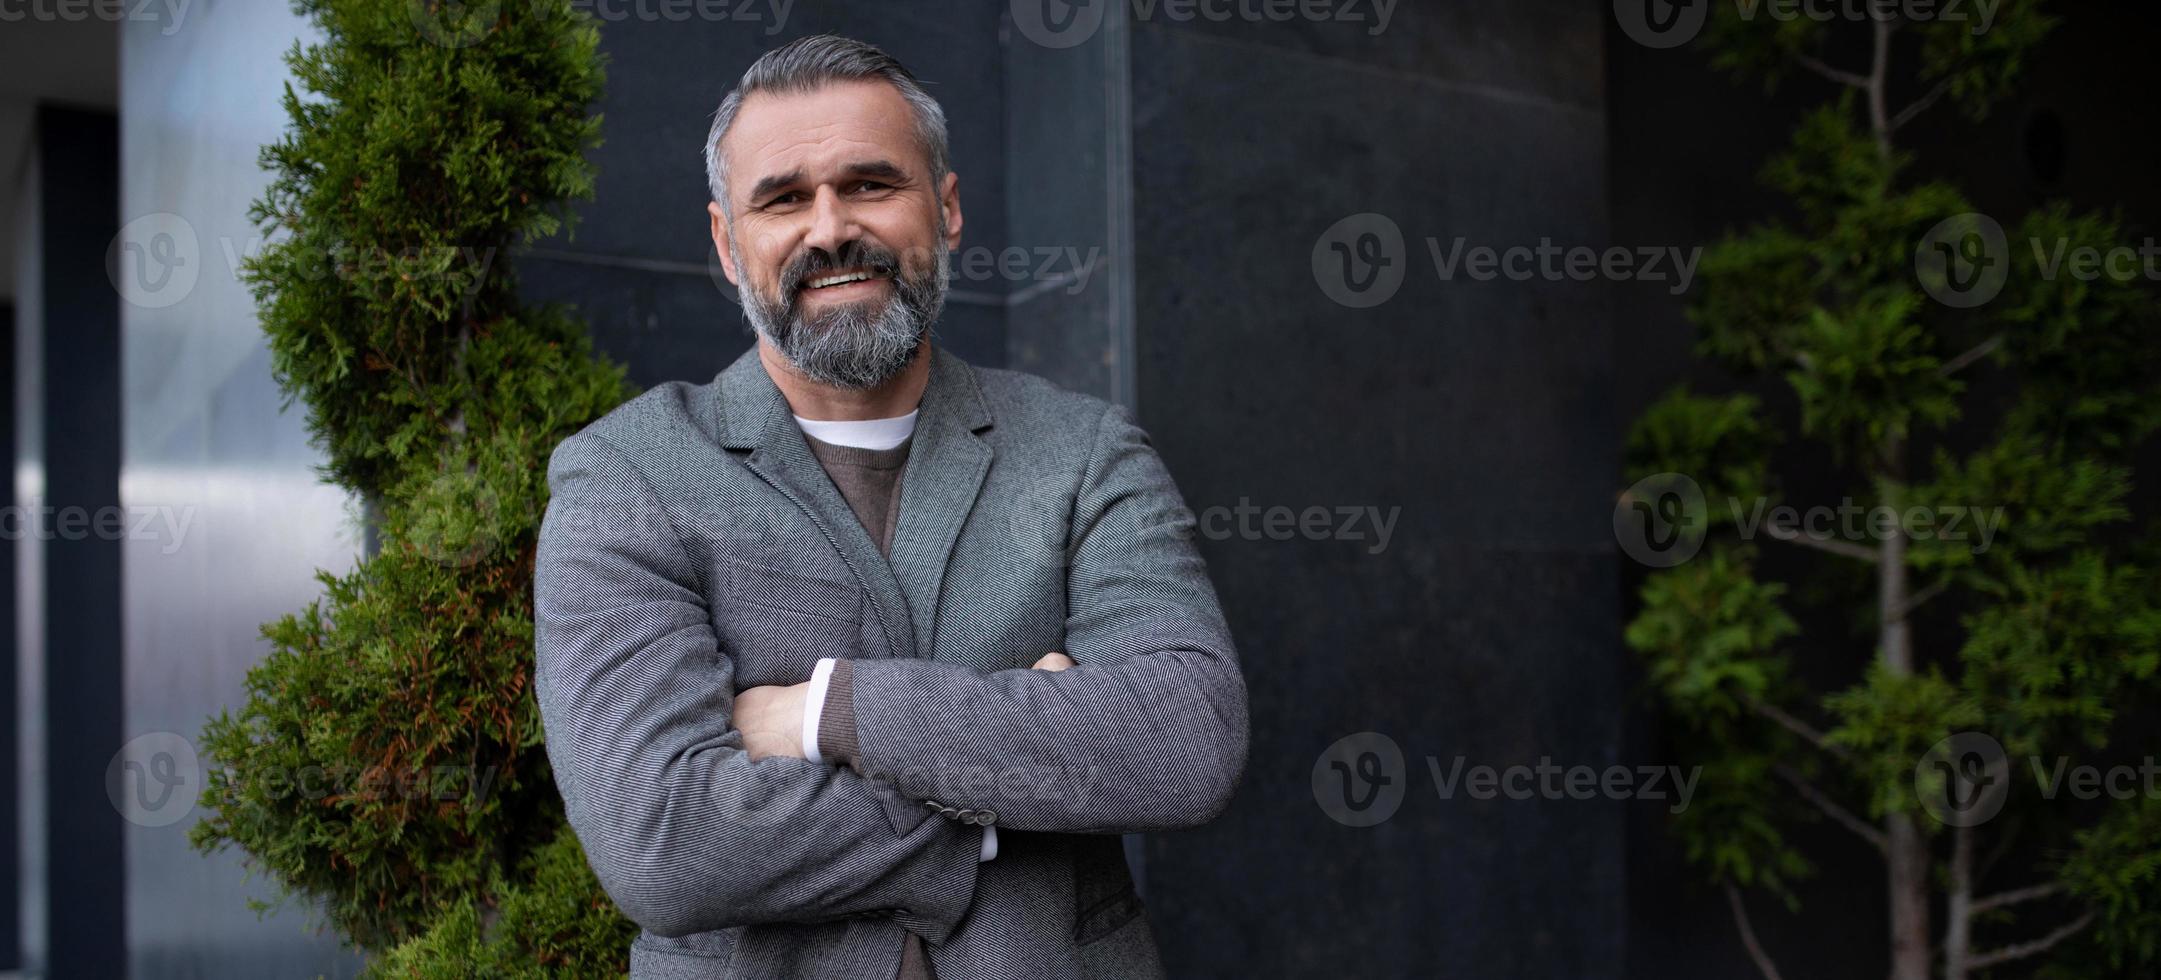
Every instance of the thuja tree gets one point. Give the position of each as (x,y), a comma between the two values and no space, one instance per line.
(387,765)
(1862,312)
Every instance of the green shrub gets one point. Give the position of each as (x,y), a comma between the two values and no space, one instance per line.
(387,766)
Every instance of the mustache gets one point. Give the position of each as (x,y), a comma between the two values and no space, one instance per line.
(853,254)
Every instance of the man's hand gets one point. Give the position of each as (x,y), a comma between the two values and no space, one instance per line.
(1052,661)
(771,720)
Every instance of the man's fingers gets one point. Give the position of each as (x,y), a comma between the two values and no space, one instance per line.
(1053,661)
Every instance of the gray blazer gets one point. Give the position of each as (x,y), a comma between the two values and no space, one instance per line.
(693,547)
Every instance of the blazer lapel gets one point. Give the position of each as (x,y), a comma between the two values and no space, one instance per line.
(755,416)
(946,467)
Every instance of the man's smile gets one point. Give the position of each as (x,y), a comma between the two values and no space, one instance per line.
(844,283)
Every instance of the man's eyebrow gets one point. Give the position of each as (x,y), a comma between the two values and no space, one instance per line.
(884,169)
(776,182)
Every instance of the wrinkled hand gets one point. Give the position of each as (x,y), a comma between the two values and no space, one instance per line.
(1052,661)
(771,720)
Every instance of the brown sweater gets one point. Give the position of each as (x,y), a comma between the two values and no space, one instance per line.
(869,479)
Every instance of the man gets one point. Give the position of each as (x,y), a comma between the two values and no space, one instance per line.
(786,619)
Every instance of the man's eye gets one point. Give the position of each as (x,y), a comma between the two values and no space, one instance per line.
(870,185)
(783,199)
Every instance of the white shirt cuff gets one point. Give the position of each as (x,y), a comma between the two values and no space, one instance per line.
(814,705)
(990,845)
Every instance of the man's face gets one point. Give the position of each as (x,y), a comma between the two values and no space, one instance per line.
(839,240)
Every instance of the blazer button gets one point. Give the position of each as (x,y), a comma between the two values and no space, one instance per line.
(948,811)
(985,818)
(965,816)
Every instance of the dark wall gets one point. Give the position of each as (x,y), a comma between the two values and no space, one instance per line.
(1686,146)
(1486,628)
(77,384)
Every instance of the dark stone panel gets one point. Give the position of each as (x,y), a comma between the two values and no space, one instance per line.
(1513,50)
(1481,407)
(1479,413)
(80,382)
(1463,655)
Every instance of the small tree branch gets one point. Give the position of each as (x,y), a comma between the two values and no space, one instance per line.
(1972,354)
(2020,951)
(1915,600)
(1794,725)
(1813,795)
(2015,896)
(1833,545)
(1920,105)
(1748,934)
(1815,64)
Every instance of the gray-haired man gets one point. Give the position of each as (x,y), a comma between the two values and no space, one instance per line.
(786,618)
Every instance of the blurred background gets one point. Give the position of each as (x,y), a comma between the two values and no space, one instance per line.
(1157,205)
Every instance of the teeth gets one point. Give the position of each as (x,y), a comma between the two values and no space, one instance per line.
(845,277)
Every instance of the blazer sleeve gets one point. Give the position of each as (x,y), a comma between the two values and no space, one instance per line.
(685,832)
(1147,731)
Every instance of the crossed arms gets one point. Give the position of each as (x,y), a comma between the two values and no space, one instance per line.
(689,833)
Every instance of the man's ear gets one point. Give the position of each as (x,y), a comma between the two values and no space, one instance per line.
(949,199)
(720,243)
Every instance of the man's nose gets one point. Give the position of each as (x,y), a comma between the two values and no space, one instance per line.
(832,222)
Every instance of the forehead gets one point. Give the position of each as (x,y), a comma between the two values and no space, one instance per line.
(827,127)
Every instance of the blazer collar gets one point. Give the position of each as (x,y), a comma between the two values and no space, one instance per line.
(947,464)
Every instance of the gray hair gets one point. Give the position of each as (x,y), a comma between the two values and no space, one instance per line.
(807,63)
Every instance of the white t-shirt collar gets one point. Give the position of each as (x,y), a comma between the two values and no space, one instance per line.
(863,434)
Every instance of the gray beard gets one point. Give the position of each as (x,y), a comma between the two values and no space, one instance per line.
(856,346)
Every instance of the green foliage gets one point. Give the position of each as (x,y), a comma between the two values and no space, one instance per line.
(1711,631)
(552,920)
(1718,440)
(2053,640)
(387,766)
